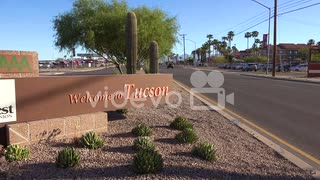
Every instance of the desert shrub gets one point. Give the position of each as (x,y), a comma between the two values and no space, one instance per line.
(181,123)
(143,142)
(68,157)
(205,151)
(91,140)
(16,153)
(123,111)
(147,161)
(187,136)
(142,130)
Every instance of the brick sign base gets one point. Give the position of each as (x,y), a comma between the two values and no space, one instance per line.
(58,128)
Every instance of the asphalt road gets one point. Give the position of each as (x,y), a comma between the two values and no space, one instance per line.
(290,110)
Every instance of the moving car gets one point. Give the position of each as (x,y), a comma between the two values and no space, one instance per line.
(170,65)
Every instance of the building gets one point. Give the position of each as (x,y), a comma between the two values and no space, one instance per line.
(286,52)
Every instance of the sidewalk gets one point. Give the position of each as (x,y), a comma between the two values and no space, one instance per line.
(289,76)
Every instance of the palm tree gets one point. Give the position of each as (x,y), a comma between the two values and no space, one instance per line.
(311,42)
(256,45)
(204,50)
(247,35)
(209,36)
(224,38)
(194,54)
(254,34)
(198,52)
(215,44)
(234,49)
(230,37)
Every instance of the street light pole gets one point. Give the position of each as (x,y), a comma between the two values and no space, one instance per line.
(268,47)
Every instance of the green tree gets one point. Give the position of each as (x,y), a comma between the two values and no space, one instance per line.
(247,35)
(303,53)
(99,27)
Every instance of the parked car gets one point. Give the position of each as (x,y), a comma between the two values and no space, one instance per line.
(286,68)
(250,67)
(300,67)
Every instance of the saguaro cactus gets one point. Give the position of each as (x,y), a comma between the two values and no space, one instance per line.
(154,57)
(132,43)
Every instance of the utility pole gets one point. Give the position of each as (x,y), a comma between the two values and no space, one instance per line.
(274,39)
(184,47)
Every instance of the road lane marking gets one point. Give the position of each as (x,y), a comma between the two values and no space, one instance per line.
(301,152)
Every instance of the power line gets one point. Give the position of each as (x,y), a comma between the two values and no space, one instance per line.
(293,3)
(280,14)
(253,26)
(298,9)
(300,22)
(252,22)
(248,21)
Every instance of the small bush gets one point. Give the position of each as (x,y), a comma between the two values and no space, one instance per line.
(123,111)
(68,157)
(205,151)
(181,123)
(187,136)
(147,161)
(143,142)
(91,140)
(16,153)
(142,130)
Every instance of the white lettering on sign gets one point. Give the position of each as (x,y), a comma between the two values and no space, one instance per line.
(8,110)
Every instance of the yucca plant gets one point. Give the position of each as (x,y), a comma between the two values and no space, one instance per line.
(142,130)
(147,161)
(188,135)
(91,140)
(16,153)
(205,151)
(181,123)
(143,142)
(68,157)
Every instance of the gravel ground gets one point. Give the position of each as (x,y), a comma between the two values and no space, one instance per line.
(239,155)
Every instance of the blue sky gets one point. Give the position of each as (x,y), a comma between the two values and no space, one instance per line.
(27,25)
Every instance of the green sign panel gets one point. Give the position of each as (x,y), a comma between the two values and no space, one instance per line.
(15,63)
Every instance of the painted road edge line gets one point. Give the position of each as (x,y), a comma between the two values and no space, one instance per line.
(286,154)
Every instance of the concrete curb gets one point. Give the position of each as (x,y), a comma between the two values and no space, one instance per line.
(283,78)
(275,146)
(51,74)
